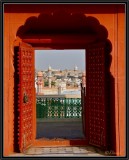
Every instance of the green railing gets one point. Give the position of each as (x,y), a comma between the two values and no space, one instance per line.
(49,107)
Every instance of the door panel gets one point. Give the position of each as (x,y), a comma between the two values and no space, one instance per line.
(26,95)
(95,95)
(83,103)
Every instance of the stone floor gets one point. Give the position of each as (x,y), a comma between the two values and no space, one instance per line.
(60,129)
(67,129)
(72,151)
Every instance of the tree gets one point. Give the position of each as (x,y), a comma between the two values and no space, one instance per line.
(53,83)
(46,83)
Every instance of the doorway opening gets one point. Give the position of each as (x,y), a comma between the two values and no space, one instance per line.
(59,75)
(95,103)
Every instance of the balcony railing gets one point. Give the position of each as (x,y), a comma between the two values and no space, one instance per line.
(58,107)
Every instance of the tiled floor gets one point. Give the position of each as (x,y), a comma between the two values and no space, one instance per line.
(60,152)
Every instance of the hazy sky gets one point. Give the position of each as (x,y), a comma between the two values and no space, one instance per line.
(60,59)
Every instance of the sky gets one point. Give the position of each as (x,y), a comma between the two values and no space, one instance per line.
(60,59)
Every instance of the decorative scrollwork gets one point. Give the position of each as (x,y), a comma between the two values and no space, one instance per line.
(58,107)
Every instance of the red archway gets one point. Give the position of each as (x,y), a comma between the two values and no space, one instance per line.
(39,33)
(113,19)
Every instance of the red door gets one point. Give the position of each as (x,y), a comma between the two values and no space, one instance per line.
(83,101)
(96,95)
(26,96)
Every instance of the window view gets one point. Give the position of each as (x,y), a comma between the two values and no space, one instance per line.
(58,78)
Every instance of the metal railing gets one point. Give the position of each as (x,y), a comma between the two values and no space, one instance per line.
(58,107)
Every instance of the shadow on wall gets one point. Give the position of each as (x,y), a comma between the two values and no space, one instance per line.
(110,93)
(109,104)
(62,22)
(16,112)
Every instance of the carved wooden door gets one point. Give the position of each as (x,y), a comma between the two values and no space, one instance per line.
(96,131)
(26,96)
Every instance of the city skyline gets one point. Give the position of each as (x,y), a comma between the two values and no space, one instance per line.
(60,59)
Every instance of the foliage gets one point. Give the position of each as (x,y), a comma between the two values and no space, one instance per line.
(53,83)
(46,83)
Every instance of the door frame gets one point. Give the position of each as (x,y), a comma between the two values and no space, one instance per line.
(73,45)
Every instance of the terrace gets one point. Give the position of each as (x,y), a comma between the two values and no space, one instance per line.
(59,116)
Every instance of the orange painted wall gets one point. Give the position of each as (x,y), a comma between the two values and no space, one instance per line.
(6,88)
(121,81)
(11,24)
(115,24)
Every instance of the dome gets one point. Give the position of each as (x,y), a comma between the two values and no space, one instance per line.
(39,74)
(49,68)
(75,68)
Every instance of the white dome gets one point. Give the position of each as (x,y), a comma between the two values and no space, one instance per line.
(75,68)
(49,68)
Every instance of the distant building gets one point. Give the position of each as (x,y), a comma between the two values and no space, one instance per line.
(64,78)
(75,74)
(49,76)
(40,83)
(84,79)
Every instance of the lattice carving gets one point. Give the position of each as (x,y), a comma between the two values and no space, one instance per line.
(58,107)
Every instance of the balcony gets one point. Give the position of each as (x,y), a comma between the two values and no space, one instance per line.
(59,116)
(58,107)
